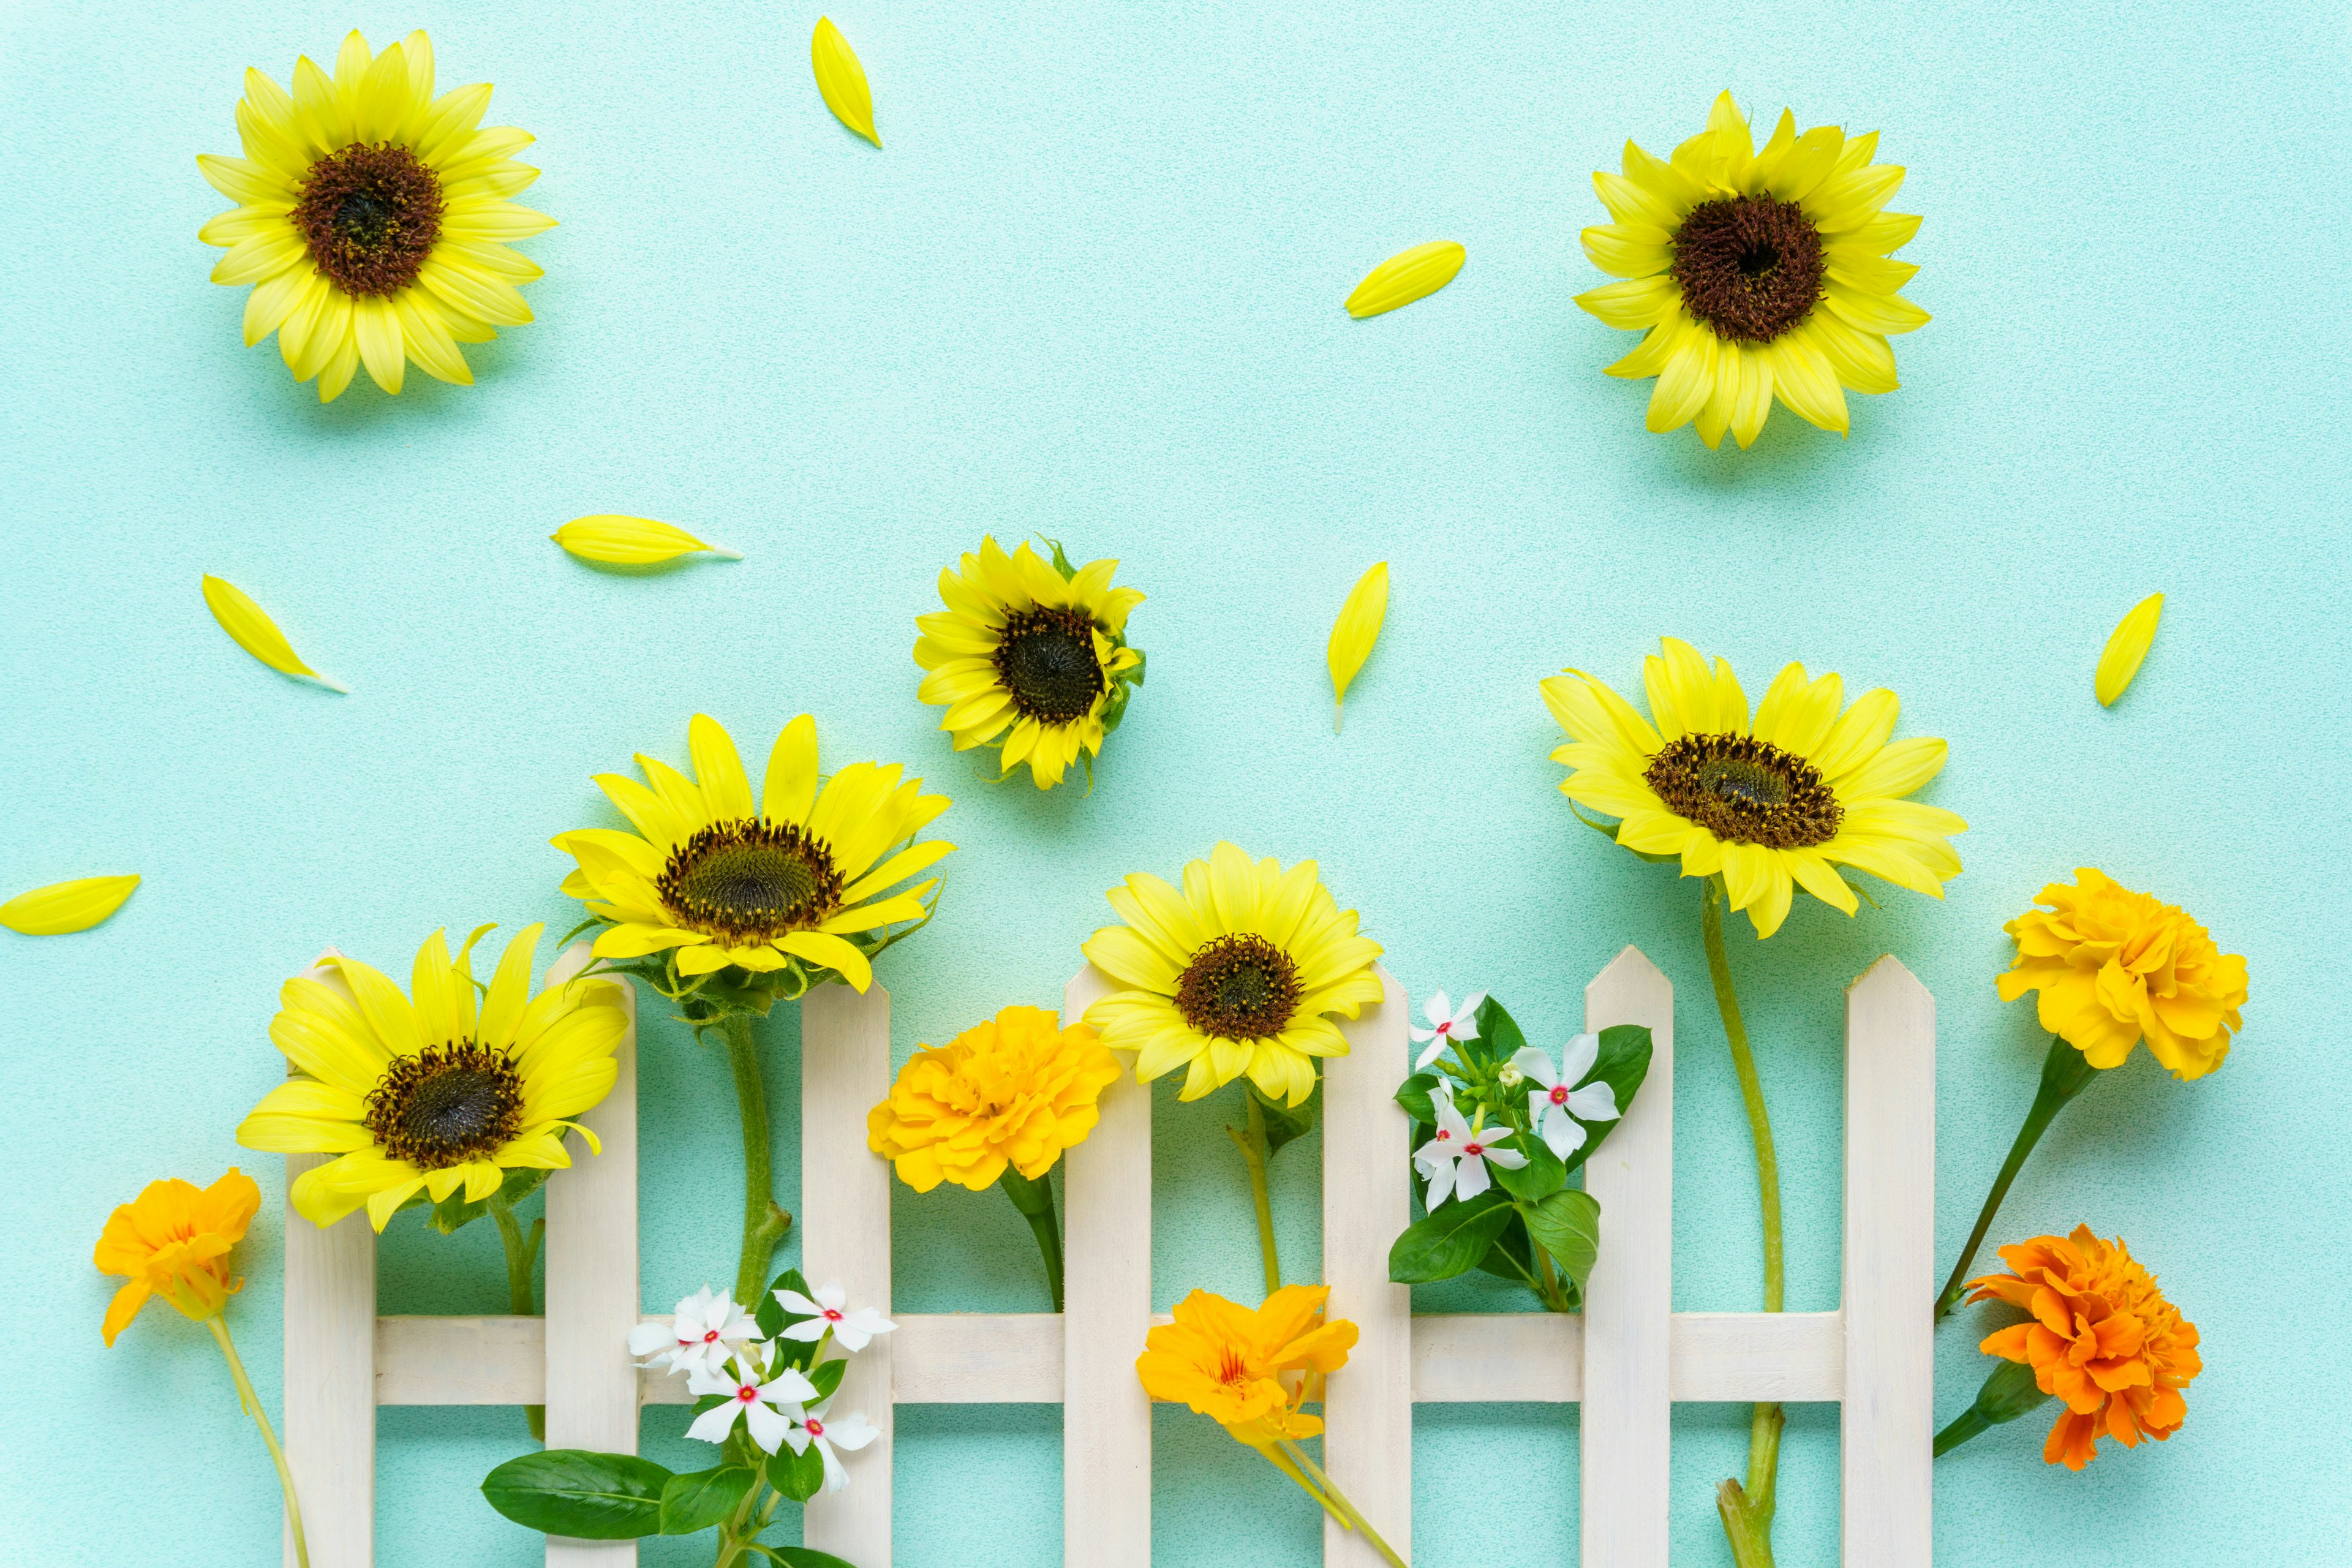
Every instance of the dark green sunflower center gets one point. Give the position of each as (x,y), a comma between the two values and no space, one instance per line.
(370,216)
(1045,659)
(1749,267)
(1239,988)
(446,1105)
(747,882)
(1746,791)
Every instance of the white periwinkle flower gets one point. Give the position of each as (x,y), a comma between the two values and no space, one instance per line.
(769,1401)
(1455,1160)
(829,1311)
(706,1331)
(852,1432)
(1447,1023)
(1565,1101)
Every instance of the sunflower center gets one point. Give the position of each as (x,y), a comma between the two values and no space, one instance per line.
(1749,267)
(370,216)
(446,1105)
(1046,658)
(1239,988)
(1746,791)
(748,882)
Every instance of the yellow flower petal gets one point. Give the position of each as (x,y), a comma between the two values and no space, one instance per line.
(620,541)
(255,633)
(841,79)
(1352,636)
(63,906)
(1407,275)
(2126,646)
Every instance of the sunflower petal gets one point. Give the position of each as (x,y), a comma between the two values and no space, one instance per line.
(254,632)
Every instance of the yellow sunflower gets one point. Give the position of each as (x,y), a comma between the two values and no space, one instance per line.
(1238,973)
(1772,806)
(373,217)
(795,885)
(1756,274)
(1030,655)
(428,1092)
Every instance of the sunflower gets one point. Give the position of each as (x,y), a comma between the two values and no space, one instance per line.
(789,885)
(1772,807)
(1238,973)
(1030,655)
(427,1092)
(1756,274)
(373,217)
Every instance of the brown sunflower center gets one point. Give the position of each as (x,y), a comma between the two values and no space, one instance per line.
(1746,791)
(1239,988)
(1749,267)
(1046,660)
(748,882)
(370,216)
(446,1105)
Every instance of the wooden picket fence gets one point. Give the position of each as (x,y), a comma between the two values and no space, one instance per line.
(1628,1357)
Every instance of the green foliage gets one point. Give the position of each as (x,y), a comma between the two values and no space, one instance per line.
(1450,1241)
(799,1475)
(773,1319)
(1568,1225)
(797,1556)
(706,1497)
(1284,1123)
(827,1376)
(570,1491)
(454,1211)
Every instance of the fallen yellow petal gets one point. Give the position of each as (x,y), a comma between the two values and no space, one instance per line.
(841,79)
(254,632)
(1352,636)
(2127,648)
(63,906)
(1405,277)
(620,541)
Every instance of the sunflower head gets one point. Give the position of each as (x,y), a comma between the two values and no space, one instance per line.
(1755,273)
(174,1242)
(1030,656)
(1227,1362)
(1016,1090)
(2113,967)
(373,217)
(2102,1338)
(1239,973)
(1771,805)
(434,1096)
(749,902)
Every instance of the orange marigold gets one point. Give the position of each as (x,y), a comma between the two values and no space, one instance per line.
(174,1242)
(2115,967)
(1227,1362)
(2102,1339)
(1016,1090)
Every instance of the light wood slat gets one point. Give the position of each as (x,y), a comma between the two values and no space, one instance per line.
(591,1280)
(1482,1358)
(462,1361)
(330,1372)
(975,1358)
(1538,1357)
(1722,1356)
(846,1204)
(1890,1269)
(1628,1355)
(1368,1404)
(1106,1297)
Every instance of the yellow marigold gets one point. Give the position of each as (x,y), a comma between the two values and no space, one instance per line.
(174,1242)
(1227,1362)
(2113,967)
(2102,1339)
(1017,1090)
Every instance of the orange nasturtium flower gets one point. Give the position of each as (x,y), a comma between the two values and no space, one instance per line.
(174,1243)
(2102,1339)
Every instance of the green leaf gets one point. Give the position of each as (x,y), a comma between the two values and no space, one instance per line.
(454,1211)
(1283,1123)
(570,1491)
(799,1477)
(798,1556)
(1541,1176)
(697,1501)
(1449,1242)
(1623,1063)
(1568,1225)
(1510,1248)
(771,1315)
(710,1402)
(826,1376)
(1498,1038)
(1413,1095)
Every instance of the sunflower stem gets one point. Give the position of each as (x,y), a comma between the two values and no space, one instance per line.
(2065,1073)
(1256,1149)
(252,1403)
(764,1220)
(1747,1511)
(1034,1199)
(522,1252)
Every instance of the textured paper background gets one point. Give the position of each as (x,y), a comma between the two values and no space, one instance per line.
(1092,289)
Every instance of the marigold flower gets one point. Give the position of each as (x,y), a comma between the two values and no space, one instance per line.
(1227,1362)
(2102,1339)
(174,1242)
(2115,967)
(1017,1090)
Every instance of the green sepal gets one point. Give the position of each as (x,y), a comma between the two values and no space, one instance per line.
(1541,1176)
(799,1477)
(454,1212)
(706,1497)
(574,1492)
(1449,1242)
(1568,1225)
(826,1376)
(1286,1123)
(1624,1062)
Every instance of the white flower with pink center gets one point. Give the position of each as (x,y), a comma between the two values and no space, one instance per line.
(1563,1102)
(828,1313)
(852,1432)
(1447,1023)
(707,1330)
(768,1402)
(1455,1160)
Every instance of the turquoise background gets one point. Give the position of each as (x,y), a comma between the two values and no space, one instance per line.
(1092,289)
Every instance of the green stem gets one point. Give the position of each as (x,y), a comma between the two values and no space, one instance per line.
(1747,1511)
(522,1254)
(2065,1073)
(2008,1393)
(1547,1280)
(1335,1502)
(1971,1424)
(1034,1199)
(764,1220)
(1256,1149)
(252,1403)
